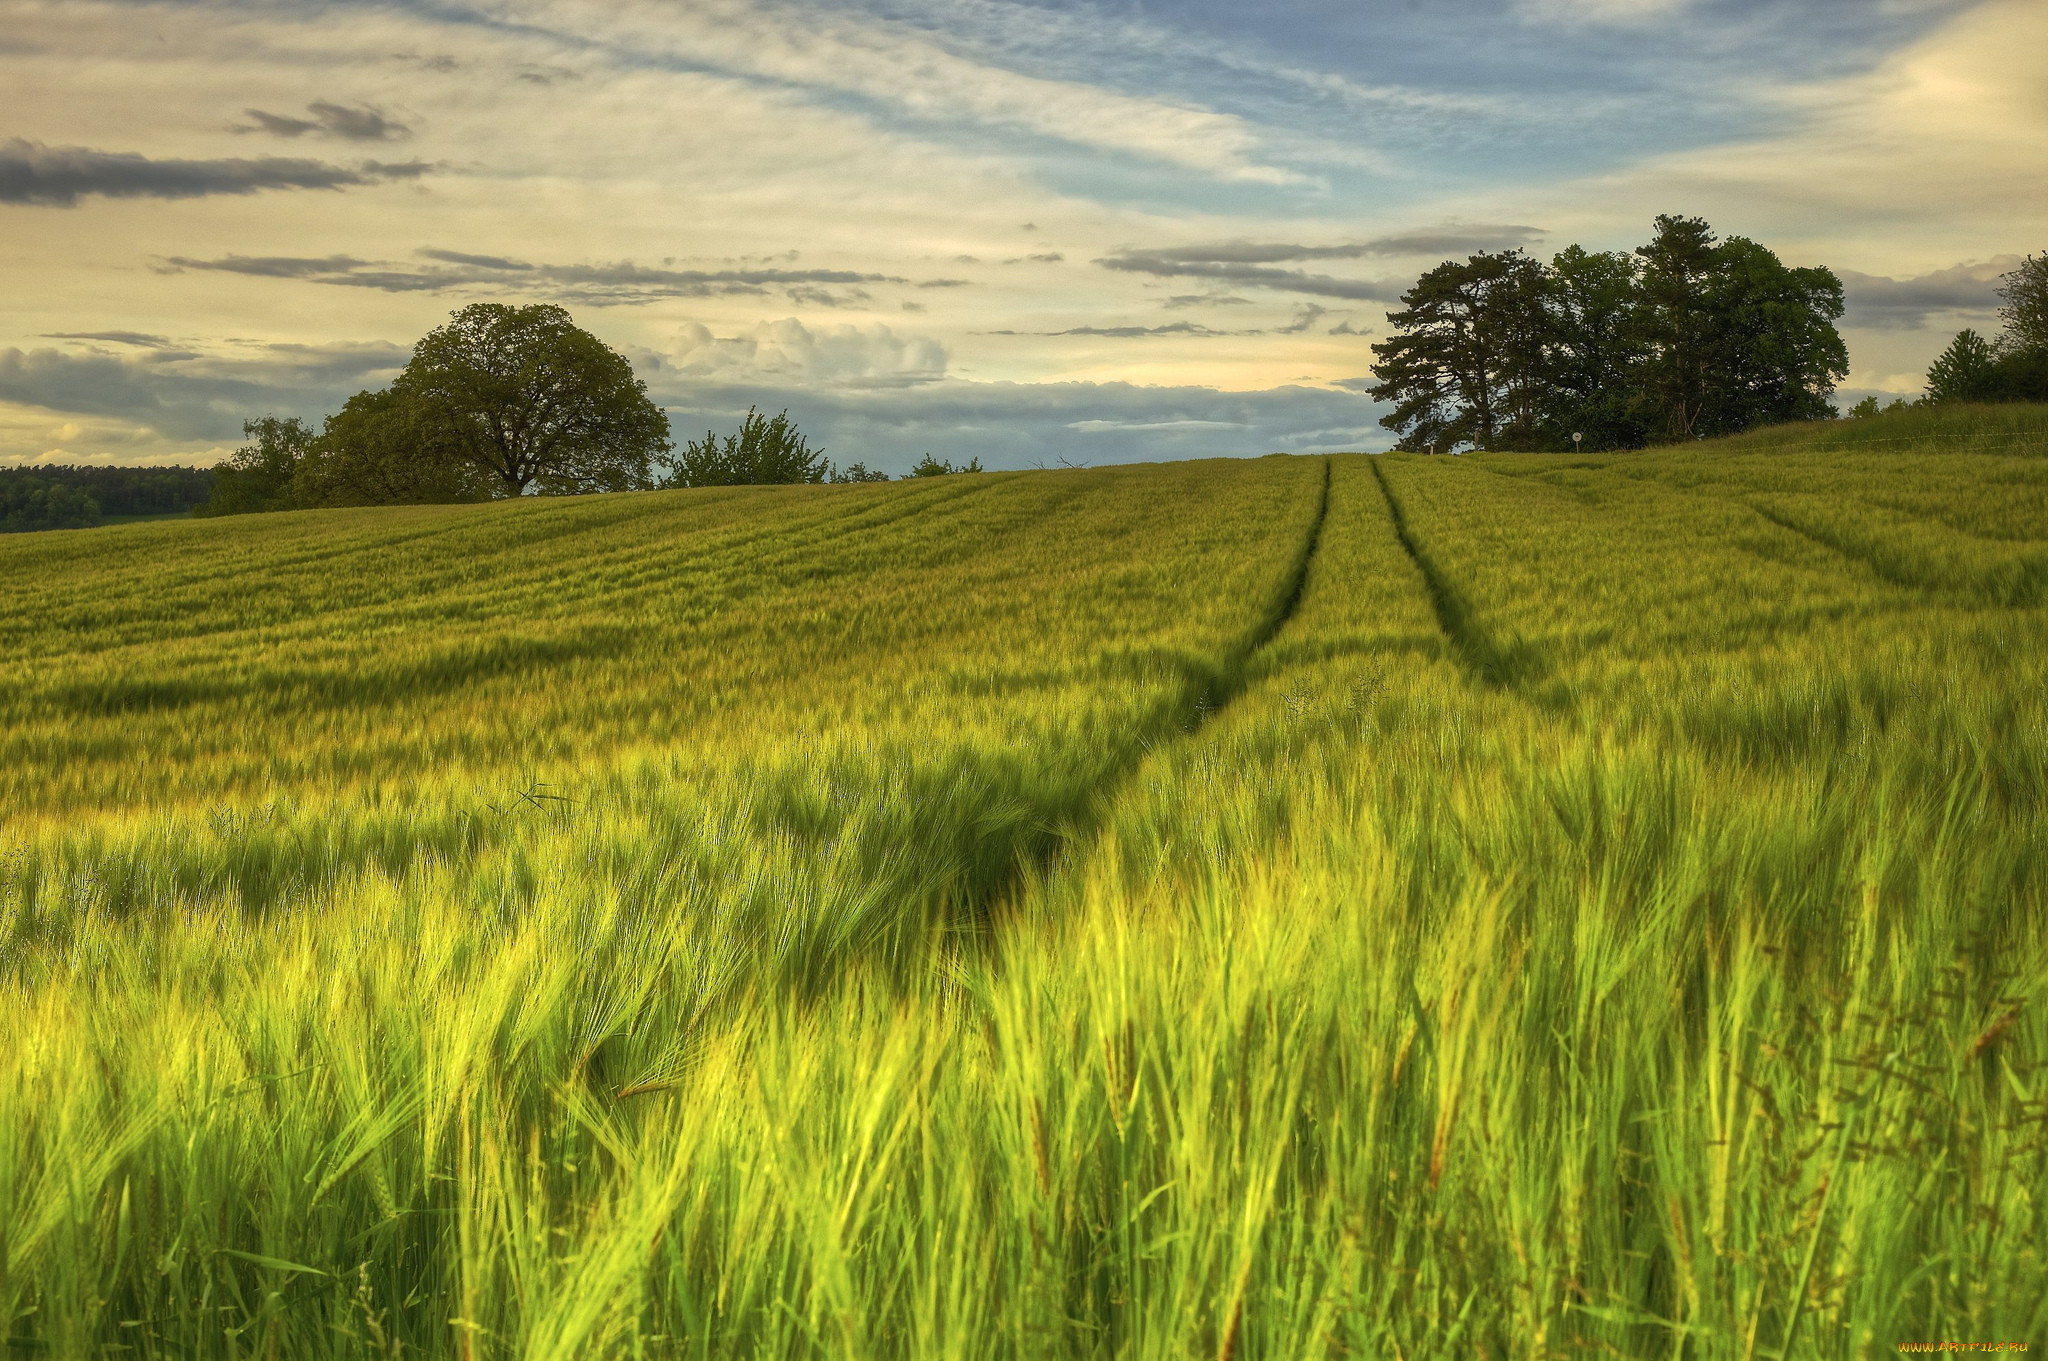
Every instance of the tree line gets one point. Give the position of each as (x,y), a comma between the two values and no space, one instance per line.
(1687,337)
(2011,366)
(507,401)
(59,496)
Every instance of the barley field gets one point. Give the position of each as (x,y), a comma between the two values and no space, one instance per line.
(1366,906)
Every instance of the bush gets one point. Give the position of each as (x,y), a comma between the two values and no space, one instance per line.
(938,467)
(764,452)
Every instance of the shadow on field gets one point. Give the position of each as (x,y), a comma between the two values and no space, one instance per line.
(1505,665)
(1027,823)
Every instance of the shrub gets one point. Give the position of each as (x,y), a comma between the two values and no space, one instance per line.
(939,467)
(764,452)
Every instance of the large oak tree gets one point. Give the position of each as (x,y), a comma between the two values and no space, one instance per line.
(528,398)
(382,450)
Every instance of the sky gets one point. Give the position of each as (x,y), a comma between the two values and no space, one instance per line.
(1031,232)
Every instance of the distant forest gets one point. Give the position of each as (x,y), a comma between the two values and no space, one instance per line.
(56,496)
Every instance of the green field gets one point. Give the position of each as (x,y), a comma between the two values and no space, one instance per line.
(1500,906)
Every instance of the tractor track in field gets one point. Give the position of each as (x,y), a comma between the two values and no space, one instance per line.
(1231,678)
(1504,666)
(1205,695)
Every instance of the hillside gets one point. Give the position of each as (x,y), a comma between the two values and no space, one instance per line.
(1290,907)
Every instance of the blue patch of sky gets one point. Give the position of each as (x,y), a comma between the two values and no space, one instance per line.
(1444,92)
(1430,96)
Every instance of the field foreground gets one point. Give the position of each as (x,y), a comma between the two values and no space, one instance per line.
(1300,907)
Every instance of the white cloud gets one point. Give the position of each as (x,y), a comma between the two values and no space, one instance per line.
(908,70)
(710,141)
(1939,153)
(1599,11)
(1103,427)
(1015,425)
(788,351)
(1969,289)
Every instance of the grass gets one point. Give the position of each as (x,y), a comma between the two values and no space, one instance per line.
(1392,906)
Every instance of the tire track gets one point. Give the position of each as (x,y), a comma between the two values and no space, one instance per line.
(1205,694)
(1217,691)
(1501,665)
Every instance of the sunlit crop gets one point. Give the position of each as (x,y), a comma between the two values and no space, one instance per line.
(1367,906)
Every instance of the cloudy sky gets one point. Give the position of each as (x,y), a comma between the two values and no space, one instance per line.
(1024,230)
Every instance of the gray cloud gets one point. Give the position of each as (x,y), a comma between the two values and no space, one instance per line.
(275,266)
(1303,319)
(360,123)
(1452,240)
(456,257)
(1255,263)
(622,283)
(809,295)
(1248,253)
(1178,328)
(136,338)
(59,176)
(1883,303)
(299,365)
(192,397)
(1179,265)
(397,170)
(276,124)
(1456,240)
(103,385)
(794,354)
(1205,300)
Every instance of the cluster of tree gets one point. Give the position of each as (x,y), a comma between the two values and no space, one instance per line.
(1686,337)
(2013,367)
(59,496)
(939,467)
(28,502)
(1869,407)
(499,402)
